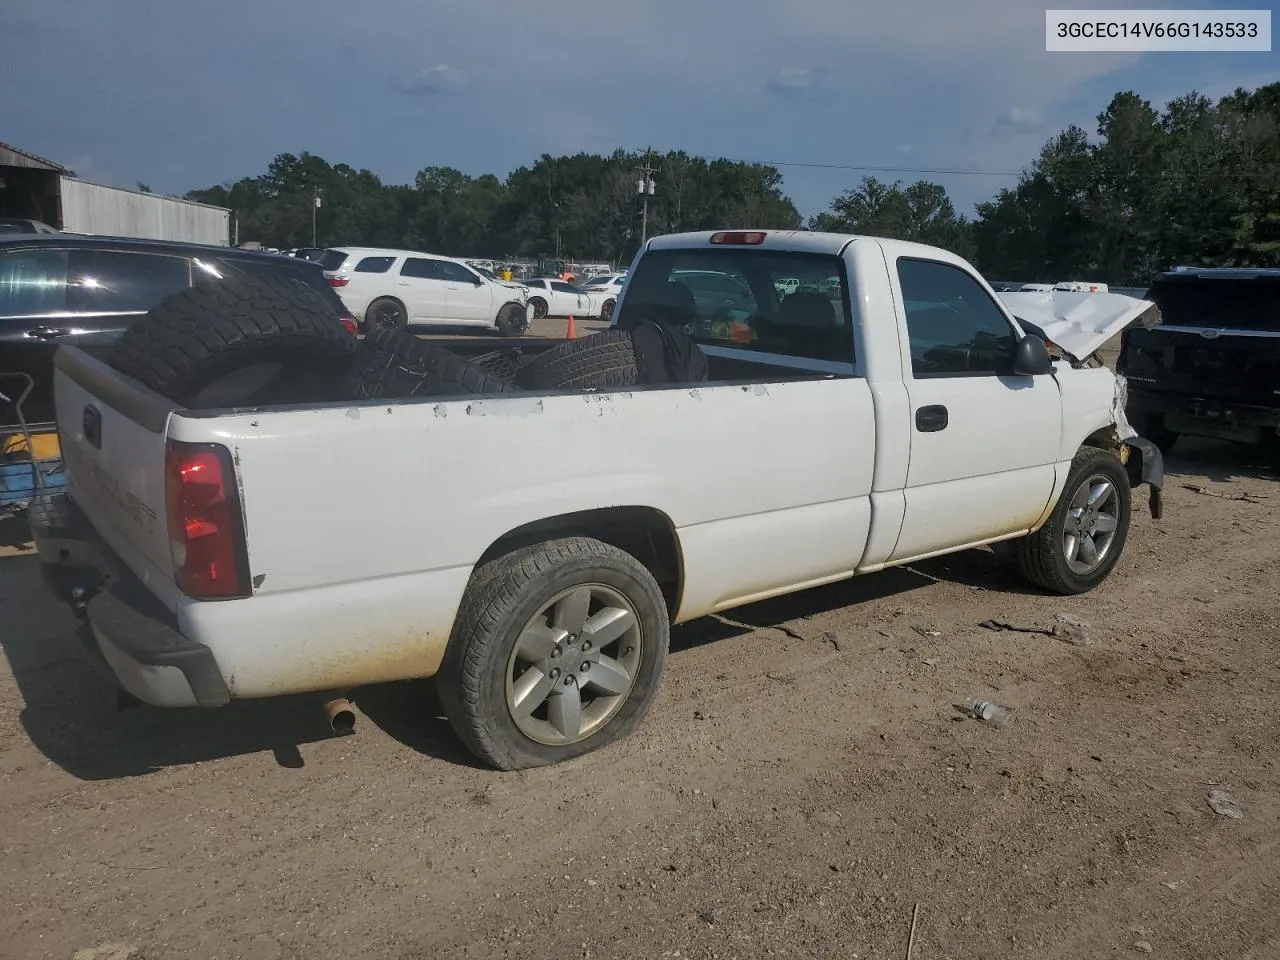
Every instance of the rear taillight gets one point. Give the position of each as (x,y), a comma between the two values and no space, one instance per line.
(338,281)
(206,529)
(351,324)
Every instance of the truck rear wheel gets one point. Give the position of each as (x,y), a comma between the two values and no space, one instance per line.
(558,650)
(1082,540)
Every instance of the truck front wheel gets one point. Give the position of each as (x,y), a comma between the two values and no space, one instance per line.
(558,649)
(1082,540)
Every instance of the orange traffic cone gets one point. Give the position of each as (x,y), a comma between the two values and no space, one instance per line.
(571,333)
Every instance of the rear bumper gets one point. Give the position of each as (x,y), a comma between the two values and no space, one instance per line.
(131,638)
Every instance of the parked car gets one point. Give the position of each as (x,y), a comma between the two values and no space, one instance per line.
(404,288)
(1212,367)
(607,287)
(532,550)
(67,289)
(549,297)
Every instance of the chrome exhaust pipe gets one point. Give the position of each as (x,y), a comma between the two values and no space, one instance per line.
(341,714)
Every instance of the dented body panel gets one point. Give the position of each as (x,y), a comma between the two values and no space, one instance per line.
(364,522)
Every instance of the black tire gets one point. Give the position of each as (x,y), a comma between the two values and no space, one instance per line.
(385,312)
(513,320)
(1041,558)
(391,364)
(604,359)
(503,364)
(244,341)
(539,307)
(606,311)
(504,595)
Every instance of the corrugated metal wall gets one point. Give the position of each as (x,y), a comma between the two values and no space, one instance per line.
(110,211)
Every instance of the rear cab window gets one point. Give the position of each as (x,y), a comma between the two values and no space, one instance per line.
(767,301)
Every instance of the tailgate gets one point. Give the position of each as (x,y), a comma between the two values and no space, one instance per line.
(1236,367)
(112,433)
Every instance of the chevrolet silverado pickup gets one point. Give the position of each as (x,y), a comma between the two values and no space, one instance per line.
(531,549)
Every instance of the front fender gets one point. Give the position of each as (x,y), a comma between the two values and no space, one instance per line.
(1144,463)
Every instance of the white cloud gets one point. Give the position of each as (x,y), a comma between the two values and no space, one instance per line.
(1019,120)
(432,81)
(796,81)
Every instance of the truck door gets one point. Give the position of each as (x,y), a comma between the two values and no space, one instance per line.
(984,443)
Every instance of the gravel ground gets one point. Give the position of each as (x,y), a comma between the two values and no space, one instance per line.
(803,783)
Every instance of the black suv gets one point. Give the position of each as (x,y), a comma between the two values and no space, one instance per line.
(82,290)
(1212,366)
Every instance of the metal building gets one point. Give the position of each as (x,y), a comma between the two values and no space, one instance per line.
(34,188)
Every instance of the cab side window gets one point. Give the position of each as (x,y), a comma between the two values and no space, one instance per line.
(955,328)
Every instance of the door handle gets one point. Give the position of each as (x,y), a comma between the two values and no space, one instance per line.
(47,333)
(931,419)
(402,283)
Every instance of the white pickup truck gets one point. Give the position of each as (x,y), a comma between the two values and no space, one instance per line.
(531,550)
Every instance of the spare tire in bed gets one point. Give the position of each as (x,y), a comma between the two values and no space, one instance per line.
(649,353)
(604,359)
(392,364)
(241,341)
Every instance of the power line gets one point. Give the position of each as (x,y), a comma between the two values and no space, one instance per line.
(866,168)
(870,169)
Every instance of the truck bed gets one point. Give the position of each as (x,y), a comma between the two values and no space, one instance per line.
(392,504)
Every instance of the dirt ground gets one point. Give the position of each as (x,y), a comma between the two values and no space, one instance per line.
(802,785)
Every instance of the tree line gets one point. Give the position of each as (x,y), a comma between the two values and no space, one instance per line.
(1198,182)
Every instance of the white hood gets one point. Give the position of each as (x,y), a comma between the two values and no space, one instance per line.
(1080,323)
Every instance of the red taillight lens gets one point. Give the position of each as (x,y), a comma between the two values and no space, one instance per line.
(351,324)
(339,281)
(739,237)
(206,530)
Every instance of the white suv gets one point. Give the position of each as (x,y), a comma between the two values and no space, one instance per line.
(404,288)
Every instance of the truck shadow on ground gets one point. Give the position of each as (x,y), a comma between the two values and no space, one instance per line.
(1222,462)
(72,716)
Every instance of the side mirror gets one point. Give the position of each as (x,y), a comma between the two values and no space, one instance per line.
(1030,358)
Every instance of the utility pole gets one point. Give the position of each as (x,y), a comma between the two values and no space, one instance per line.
(645,186)
(315,205)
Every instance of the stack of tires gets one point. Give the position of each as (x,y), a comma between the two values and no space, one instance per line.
(253,341)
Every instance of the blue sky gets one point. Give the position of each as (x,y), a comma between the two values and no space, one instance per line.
(185,94)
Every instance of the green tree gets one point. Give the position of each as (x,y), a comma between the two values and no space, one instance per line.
(921,213)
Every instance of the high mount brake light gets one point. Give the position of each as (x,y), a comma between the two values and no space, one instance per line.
(206,527)
(739,237)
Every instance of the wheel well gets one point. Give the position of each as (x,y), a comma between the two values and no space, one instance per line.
(1131,457)
(1104,438)
(645,533)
